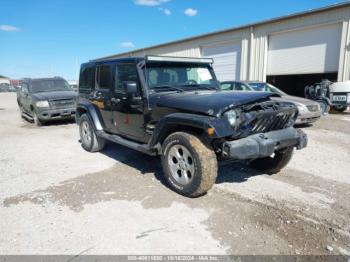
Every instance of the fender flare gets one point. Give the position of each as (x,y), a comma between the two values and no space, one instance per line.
(201,122)
(92,113)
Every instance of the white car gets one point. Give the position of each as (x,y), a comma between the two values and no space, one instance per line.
(339,93)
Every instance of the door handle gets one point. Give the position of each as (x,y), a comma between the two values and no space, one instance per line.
(115,100)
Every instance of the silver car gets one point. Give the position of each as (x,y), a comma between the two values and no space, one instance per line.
(309,111)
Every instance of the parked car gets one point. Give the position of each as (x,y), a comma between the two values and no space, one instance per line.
(328,94)
(309,111)
(3,87)
(74,87)
(12,88)
(340,95)
(73,84)
(7,88)
(173,108)
(45,99)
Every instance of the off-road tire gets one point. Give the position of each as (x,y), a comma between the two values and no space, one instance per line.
(204,161)
(95,144)
(272,165)
(340,109)
(36,119)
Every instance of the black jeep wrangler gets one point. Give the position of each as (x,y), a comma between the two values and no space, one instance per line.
(173,107)
(44,99)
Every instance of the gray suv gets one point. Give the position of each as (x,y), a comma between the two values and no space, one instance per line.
(44,99)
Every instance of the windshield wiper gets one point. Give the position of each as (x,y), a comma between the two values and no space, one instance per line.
(168,87)
(201,86)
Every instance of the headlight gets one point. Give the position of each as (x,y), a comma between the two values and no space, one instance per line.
(232,117)
(302,108)
(348,100)
(42,104)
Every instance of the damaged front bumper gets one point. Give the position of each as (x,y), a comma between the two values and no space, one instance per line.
(264,144)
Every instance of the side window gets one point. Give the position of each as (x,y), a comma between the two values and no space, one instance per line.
(87,78)
(125,72)
(225,86)
(104,77)
(239,87)
(24,88)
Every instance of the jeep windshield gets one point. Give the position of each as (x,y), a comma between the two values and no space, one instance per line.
(49,85)
(179,77)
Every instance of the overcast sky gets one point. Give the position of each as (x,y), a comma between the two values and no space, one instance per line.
(52,37)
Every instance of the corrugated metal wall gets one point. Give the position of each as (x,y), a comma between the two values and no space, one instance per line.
(254,42)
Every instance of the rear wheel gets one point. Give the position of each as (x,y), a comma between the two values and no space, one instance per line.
(190,167)
(273,164)
(89,140)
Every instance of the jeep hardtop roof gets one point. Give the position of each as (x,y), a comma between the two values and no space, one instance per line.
(154,58)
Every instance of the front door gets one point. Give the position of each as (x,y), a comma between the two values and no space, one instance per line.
(127,111)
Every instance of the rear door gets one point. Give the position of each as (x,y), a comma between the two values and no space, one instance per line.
(101,96)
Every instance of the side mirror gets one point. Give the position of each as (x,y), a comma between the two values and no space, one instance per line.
(130,87)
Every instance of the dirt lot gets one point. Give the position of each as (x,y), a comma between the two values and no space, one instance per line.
(55,198)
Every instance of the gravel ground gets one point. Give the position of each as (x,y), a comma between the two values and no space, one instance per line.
(55,198)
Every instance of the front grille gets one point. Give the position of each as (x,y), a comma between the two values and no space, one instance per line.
(266,123)
(313,108)
(266,117)
(62,103)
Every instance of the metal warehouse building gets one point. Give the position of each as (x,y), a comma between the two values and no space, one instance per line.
(290,51)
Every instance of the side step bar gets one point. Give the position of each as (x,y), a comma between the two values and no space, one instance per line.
(28,117)
(128,143)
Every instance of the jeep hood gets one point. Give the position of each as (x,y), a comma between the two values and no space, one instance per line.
(209,102)
(56,95)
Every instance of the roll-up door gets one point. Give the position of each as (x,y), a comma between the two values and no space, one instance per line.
(310,51)
(227,60)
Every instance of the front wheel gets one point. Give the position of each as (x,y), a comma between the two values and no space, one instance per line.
(273,164)
(190,168)
(36,119)
(89,140)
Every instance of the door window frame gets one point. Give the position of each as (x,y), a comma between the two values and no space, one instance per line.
(115,78)
(97,76)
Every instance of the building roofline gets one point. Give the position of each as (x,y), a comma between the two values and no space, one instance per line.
(272,20)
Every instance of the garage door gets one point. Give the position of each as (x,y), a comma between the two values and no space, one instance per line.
(308,51)
(226,60)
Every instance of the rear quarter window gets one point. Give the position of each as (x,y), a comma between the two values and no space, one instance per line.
(87,79)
